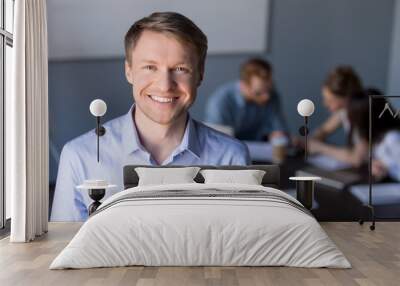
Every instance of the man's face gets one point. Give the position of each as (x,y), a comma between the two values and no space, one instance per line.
(165,76)
(257,90)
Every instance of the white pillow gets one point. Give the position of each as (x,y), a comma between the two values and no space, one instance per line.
(248,177)
(163,176)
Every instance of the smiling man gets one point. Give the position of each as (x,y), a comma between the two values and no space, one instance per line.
(165,57)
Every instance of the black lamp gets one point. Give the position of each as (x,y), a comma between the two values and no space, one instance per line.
(98,108)
(305,108)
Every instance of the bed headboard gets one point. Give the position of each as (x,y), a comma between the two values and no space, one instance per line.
(270,179)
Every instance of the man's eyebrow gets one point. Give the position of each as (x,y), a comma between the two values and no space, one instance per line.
(183,64)
(148,61)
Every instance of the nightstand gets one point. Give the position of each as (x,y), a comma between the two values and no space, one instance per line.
(305,190)
(96,190)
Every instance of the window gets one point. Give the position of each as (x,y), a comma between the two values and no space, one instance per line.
(6,43)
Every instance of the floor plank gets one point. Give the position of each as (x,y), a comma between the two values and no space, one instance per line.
(374,255)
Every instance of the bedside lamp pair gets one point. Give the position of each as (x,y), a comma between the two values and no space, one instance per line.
(98,108)
(97,187)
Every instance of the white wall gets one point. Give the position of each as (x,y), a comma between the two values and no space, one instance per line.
(96,28)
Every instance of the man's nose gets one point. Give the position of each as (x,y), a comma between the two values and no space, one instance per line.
(166,81)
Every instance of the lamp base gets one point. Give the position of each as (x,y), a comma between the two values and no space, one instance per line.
(303,131)
(100,131)
(96,195)
(305,193)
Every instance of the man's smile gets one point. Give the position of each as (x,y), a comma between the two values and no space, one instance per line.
(162,99)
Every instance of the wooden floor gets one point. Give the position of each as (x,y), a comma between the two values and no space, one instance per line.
(375,257)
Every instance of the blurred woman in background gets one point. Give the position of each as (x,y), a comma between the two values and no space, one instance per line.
(341,86)
(385,136)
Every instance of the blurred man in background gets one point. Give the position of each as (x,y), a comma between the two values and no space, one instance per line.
(250,106)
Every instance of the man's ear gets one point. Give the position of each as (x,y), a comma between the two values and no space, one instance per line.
(128,72)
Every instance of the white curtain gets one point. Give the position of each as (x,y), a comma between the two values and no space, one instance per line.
(27,144)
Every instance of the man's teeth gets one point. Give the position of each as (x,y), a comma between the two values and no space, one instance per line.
(161,99)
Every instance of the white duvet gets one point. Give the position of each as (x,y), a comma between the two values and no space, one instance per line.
(207,230)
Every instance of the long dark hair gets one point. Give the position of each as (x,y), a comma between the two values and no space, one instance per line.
(344,82)
(384,117)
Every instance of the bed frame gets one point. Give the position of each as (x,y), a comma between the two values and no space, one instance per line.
(270,179)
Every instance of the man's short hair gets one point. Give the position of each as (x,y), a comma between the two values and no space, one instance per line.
(175,24)
(255,67)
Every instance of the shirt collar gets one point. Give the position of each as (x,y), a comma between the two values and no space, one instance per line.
(130,137)
(190,140)
(131,142)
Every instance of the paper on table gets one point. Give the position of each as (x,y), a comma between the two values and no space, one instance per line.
(327,163)
(384,193)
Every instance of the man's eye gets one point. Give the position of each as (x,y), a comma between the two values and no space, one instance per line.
(181,69)
(150,67)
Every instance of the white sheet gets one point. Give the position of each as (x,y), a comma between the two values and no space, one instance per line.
(200,231)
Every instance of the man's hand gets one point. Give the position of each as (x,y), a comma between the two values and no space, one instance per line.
(276,134)
(297,142)
(314,146)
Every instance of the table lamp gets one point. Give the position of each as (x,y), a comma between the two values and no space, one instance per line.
(305,108)
(98,108)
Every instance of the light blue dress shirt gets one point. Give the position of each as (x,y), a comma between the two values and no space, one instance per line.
(227,106)
(121,146)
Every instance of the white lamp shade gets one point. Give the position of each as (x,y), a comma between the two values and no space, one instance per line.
(98,107)
(305,107)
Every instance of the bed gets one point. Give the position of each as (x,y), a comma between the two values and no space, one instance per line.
(201,224)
